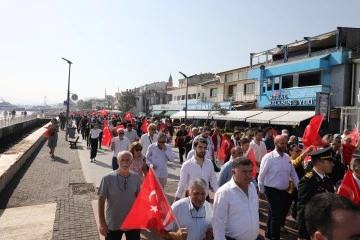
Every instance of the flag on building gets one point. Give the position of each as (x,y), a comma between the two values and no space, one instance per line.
(151,209)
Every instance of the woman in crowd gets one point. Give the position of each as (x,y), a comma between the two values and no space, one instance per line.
(53,136)
(138,165)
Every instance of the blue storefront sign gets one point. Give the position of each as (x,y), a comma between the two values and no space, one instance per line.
(207,106)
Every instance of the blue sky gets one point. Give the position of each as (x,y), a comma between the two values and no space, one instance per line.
(125,44)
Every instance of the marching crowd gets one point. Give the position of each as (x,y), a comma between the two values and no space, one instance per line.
(240,167)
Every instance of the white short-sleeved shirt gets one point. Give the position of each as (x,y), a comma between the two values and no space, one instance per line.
(131,135)
(94,133)
(120,145)
(196,222)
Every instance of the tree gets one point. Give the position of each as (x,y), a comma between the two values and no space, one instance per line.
(127,101)
(217,108)
(80,104)
(88,105)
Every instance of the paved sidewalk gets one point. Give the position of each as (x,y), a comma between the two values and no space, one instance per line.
(45,180)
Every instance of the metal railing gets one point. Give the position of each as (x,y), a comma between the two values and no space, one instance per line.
(233,97)
(11,120)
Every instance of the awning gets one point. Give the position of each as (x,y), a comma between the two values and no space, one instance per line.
(266,116)
(170,112)
(237,115)
(292,118)
(156,112)
(194,114)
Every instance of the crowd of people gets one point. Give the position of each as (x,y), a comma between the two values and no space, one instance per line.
(241,167)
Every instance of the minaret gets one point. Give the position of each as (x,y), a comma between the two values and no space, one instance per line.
(170,82)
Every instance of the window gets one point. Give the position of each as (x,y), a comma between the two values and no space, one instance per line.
(213,92)
(249,88)
(178,97)
(269,84)
(174,98)
(287,81)
(242,75)
(264,86)
(309,79)
(192,96)
(183,97)
(228,77)
(232,90)
(276,83)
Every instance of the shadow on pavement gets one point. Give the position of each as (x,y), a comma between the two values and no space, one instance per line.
(101,164)
(60,160)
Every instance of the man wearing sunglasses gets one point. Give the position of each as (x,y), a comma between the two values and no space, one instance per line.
(193,214)
(118,144)
(119,190)
(157,156)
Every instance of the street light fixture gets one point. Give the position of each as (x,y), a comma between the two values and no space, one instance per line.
(67,101)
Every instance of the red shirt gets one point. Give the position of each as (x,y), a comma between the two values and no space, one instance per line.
(348,151)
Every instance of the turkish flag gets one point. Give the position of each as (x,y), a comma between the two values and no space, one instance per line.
(128,116)
(251,155)
(225,148)
(349,188)
(354,135)
(151,209)
(311,130)
(118,127)
(144,126)
(107,136)
(319,142)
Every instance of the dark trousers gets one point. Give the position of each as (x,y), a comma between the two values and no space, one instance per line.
(117,235)
(114,163)
(100,140)
(181,153)
(94,146)
(83,133)
(276,201)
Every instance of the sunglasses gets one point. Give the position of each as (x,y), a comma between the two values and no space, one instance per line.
(138,149)
(121,133)
(298,151)
(161,142)
(152,129)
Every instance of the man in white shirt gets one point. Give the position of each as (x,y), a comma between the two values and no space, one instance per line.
(197,166)
(157,156)
(356,171)
(236,205)
(258,147)
(193,214)
(148,138)
(130,133)
(275,171)
(118,144)
(210,146)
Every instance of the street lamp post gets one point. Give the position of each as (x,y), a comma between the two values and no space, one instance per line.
(67,101)
(186,97)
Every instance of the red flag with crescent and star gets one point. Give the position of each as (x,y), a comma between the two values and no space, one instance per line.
(251,155)
(349,188)
(106,135)
(144,126)
(151,209)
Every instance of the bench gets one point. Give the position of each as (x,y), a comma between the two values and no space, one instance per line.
(73,143)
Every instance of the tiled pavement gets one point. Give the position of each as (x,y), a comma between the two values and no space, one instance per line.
(46,180)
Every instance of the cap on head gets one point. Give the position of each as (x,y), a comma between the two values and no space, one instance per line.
(321,154)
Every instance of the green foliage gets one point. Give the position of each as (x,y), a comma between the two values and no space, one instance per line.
(80,104)
(127,101)
(87,105)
